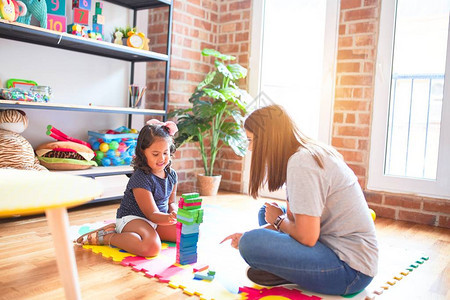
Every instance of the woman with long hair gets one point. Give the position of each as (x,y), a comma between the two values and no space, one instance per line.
(324,239)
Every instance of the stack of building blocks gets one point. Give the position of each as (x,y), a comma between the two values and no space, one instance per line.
(81,10)
(206,275)
(189,217)
(56,15)
(98,20)
(80,25)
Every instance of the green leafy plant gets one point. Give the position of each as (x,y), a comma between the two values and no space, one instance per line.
(124,30)
(216,115)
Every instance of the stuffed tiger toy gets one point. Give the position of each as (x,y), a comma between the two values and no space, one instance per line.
(15,151)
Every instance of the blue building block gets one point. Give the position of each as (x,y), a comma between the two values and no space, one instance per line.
(188,240)
(190,259)
(56,7)
(97,28)
(188,250)
(187,229)
(202,276)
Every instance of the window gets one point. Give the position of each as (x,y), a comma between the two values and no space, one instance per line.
(410,147)
(293,62)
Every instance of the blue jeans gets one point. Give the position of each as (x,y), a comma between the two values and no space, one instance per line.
(317,269)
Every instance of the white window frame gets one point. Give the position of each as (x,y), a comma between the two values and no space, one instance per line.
(328,80)
(377,180)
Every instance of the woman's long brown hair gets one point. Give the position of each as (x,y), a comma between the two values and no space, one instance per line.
(275,139)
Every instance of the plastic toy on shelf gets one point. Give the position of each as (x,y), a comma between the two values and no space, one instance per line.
(113,147)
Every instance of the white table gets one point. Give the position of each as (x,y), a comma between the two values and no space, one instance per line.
(30,192)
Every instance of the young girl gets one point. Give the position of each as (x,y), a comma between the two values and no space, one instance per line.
(147,212)
(324,240)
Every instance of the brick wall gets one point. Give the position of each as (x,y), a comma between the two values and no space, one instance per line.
(357,47)
(197,24)
(234,39)
(358,31)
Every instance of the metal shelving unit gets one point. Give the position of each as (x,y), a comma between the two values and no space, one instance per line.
(48,38)
(13,104)
(61,40)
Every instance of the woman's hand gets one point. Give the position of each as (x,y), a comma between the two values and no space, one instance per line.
(235,238)
(272,212)
(172,218)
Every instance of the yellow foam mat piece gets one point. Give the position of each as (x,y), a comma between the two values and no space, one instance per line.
(116,254)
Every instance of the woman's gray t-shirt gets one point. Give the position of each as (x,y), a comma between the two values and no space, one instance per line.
(334,195)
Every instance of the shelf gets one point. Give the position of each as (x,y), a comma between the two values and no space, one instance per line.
(61,40)
(86,108)
(115,178)
(140,4)
(100,171)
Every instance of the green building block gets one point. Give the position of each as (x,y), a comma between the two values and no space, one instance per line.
(98,8)
(193,200)
(184,220)
(200,216)
(190,195)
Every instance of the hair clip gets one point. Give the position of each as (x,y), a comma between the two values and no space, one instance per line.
(171,126)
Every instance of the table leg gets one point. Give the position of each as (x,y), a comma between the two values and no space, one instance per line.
(58,222)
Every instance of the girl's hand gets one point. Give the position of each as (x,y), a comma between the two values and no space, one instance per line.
(235,238)
(272,212)
(172,218)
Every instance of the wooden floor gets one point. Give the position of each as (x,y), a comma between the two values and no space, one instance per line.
(28,269)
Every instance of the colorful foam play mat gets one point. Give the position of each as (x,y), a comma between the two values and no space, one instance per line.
(220,272)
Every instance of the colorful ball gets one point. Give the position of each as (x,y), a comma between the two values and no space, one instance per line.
(116,161)
(114,145)
(104,147)
(127,159)
(111,153)
(133,130)
(99,155)
(96,146)
(122,147)
(106,162)
(373,214)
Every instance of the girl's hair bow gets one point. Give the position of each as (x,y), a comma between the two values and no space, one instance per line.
(171,126)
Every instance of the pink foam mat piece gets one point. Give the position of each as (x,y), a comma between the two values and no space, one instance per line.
(254,294)
(171,271)
(170,253)
(149,266)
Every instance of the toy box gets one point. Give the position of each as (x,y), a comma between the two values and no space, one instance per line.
(113,147)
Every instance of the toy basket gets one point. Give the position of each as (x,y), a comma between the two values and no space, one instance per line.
(113,149)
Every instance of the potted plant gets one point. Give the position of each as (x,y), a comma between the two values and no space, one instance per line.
(215,118)
(125,33)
